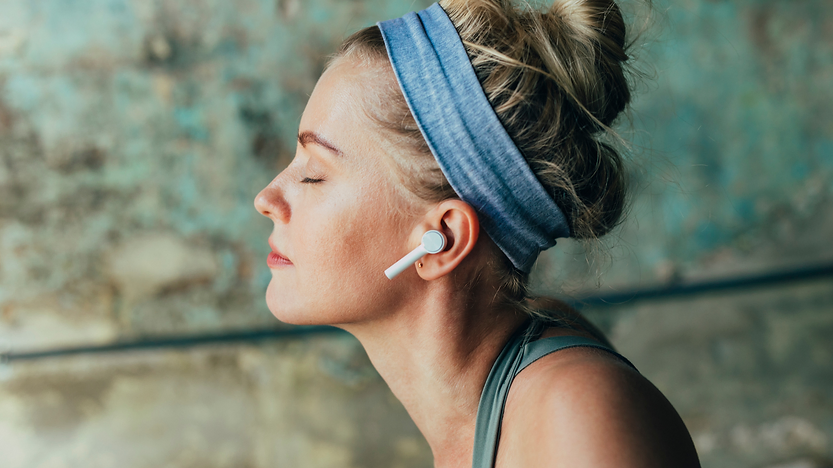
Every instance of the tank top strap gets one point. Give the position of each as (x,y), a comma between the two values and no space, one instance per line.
(518,353)
(537,349)
(492,400)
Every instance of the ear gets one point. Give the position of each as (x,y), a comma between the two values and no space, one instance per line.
(461,226)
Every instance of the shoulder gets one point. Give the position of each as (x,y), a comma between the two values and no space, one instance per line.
(585,407)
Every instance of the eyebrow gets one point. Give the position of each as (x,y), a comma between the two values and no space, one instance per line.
(308,136)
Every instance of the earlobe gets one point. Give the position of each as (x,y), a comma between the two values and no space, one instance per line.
(459,223)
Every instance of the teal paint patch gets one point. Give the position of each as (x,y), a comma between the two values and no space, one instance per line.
(709,236)
(190,122)
(823,151)
(744,209)
(23,92)
(800,171)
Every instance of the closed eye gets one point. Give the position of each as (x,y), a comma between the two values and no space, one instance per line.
(307,180)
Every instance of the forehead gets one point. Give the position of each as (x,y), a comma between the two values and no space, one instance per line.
(337,107)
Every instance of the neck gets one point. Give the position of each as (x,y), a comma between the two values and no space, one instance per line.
(435,355)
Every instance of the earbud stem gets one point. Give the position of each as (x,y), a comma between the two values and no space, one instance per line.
(406,261)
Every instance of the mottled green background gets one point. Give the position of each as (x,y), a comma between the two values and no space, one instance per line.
(134,135)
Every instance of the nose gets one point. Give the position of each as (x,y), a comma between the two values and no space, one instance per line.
(270,202)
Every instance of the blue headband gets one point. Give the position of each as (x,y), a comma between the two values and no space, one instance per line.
(477,156)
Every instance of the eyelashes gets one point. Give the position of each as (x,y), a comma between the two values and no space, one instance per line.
(308,180)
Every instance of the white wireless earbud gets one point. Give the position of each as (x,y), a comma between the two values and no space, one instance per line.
(432,242)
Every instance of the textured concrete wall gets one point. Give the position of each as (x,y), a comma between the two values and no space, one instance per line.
(315,403)
(133,138)
(135,134)
(733,145)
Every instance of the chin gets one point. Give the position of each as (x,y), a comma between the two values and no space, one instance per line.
(293,314)
(312,315)
(295,307)
(294,317)
(286,313)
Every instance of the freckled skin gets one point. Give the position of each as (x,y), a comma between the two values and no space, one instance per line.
(340,234)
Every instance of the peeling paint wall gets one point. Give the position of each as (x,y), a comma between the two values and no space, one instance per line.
(135,134)
(142,130)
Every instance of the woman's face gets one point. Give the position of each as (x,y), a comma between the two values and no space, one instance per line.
(338,220)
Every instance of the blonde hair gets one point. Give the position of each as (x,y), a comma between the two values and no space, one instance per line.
(556,81)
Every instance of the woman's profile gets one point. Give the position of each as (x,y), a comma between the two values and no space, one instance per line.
(485,122)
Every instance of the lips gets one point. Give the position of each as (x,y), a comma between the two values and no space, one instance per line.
(275,258)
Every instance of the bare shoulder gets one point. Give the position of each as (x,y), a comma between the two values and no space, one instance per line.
(585,407)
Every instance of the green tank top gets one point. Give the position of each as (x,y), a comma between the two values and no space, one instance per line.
(521,351)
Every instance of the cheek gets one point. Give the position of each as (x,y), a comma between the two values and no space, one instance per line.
(350,243)
(362,238)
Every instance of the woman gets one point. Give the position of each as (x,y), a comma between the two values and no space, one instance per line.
(481,121)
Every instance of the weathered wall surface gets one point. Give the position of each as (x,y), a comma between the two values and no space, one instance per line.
(733,144)
(135,134)
(315,403)
(134,137)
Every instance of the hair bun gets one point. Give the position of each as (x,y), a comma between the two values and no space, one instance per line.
(584,46)
(594,16)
